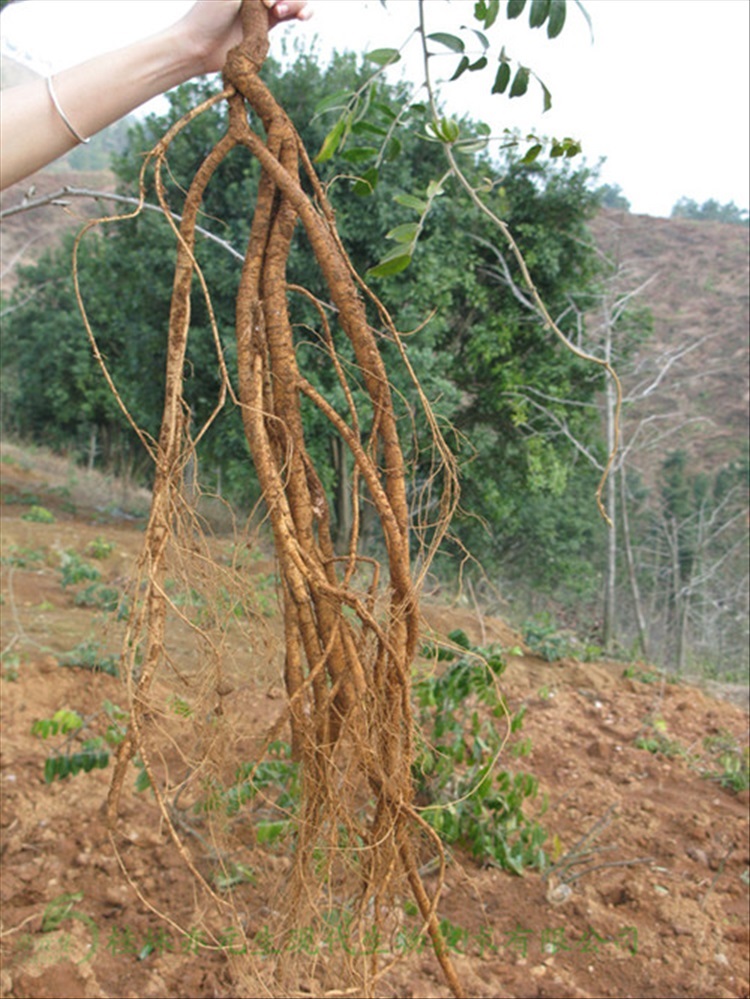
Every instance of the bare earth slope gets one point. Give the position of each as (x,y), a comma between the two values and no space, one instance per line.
(700,295)
(660,908)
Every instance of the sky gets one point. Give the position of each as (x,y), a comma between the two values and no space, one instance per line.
(661,95)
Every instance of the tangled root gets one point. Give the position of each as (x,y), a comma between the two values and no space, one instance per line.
(350,625)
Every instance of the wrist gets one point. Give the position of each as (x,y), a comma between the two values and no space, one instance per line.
(185,55)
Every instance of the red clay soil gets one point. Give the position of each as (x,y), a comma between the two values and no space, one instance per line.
(661,908)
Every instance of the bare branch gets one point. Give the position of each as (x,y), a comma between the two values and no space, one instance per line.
(58,198)
(562,427)
(671,359)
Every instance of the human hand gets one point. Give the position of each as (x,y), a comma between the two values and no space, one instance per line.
(287,10)
(212,27)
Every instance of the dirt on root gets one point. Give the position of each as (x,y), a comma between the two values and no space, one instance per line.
(648,895)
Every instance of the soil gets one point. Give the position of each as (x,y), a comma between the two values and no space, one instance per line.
(659,908)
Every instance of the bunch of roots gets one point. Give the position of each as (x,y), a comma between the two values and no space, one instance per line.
(351,624)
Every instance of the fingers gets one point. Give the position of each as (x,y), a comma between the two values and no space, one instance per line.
(287,10)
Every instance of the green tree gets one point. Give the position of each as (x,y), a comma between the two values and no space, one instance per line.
(710,211)
(479,346)
(611,196)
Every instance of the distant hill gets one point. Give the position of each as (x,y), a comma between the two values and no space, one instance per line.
(26,236)
(701,290)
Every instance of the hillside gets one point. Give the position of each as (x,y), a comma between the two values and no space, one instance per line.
(26,236)
(647,896)
(700,292)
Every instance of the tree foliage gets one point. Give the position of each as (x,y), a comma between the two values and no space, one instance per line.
(710,211)
(474,343)
(611,196)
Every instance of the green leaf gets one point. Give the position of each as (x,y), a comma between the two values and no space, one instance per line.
(142,781)
(517,719)
(393,149)
(486,11)
(471,145)
(383,57)
(483,39)
(267,832)
(531,154)
(567,147)
(520,82)
(366,126)
(502,79)
(538,13)
(331,141)
(450,41)
(338,100)
(459,637)
(396,252)
(547,96)
(479,64)
(556,20)
(461,68)
(404,233)
(515,8)
(367,183)
(409,201)
(434,188)
(359,154)
(386,268)
(493,10)
(50,769)
(447,130)
(385,110)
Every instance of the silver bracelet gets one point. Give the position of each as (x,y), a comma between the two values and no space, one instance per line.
(63,116)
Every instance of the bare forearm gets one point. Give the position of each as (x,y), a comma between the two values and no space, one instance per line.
(93,95)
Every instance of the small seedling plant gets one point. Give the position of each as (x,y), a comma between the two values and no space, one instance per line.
(85,743)
(270,788)
(733,761)
(87,655)
(39,515)
(655,740)
(471,800)
(543,638)
(75,570)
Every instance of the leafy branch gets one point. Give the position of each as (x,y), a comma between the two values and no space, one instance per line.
(502,226)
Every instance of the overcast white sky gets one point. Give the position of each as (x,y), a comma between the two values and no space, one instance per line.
(663,93)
